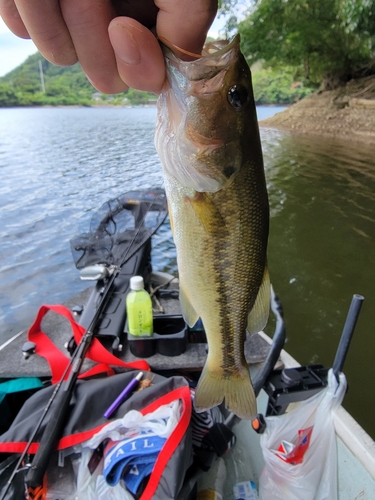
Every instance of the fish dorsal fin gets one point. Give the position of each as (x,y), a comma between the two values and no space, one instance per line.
(188,311)
(258,315)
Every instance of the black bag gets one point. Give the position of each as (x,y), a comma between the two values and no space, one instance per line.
(90,400)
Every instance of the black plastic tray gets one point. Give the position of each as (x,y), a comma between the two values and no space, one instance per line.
(169,338)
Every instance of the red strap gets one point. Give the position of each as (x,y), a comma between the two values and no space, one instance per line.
(174,439)
(182,393)
(65,442)
(58,361)
(98,369)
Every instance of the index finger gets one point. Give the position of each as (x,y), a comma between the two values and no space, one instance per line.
(185,24)
(88,22)
(12,19)
(46,26)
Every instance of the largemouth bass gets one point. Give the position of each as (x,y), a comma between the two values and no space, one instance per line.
(208,141)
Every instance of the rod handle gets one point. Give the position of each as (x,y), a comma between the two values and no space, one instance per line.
(347,333)
(50,437)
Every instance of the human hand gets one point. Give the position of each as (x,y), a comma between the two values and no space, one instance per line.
(114,40)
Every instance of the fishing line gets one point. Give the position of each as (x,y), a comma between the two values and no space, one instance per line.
(172,46)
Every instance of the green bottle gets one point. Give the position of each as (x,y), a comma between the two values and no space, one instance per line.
(139,309)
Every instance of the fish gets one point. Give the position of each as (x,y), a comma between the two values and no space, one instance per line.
(208,141)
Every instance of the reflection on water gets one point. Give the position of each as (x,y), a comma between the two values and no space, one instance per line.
(59,165)
(322,251)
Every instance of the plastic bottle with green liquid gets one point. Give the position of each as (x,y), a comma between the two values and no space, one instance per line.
(139,309)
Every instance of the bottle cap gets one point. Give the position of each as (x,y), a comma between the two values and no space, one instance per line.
(136,283)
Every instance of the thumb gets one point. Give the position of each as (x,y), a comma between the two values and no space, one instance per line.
(139,58)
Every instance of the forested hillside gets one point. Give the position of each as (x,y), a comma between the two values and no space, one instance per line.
(293,46)
(69,86)
(325,43)
(38,82)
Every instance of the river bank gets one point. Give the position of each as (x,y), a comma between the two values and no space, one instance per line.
(346,113)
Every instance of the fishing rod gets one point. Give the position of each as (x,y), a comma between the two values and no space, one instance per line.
(52,432)
(18,467)
(61,396)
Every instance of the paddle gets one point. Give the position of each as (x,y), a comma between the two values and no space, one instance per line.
(124,235)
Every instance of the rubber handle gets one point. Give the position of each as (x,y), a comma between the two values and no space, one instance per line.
(51,435)
(347,333)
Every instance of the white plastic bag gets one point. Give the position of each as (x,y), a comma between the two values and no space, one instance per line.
(299,449)
(161,422)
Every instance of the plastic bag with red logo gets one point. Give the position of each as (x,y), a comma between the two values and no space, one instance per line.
(299,449)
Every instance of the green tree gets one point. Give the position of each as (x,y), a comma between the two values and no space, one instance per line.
(63,86)
(7,96)
(327,41)
(275,87)
(139,97)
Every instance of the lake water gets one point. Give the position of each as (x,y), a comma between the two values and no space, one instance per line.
(58,166)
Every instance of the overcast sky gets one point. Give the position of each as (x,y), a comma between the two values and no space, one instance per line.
(14,50)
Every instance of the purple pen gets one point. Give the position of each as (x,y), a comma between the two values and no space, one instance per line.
(124,395)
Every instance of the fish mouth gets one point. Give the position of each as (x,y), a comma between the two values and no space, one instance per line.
(216,56)
(220,47)
(196,157)
(217,48)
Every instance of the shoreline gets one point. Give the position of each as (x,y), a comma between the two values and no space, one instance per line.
(345,113)
(79,106)
(108,105)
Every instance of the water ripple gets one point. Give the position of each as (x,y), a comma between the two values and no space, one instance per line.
(58,166)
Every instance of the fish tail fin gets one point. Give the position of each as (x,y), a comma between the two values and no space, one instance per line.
(236,389)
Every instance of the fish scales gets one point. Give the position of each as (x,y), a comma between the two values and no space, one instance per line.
(218,205)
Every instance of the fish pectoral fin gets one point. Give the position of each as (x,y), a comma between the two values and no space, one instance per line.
(258,315)
(170,218)
(207,212)
(237,391)
(188,311)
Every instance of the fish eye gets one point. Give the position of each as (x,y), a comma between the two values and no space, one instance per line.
(237,96)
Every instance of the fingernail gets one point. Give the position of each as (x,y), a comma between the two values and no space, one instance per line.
(89,79)
(124,45)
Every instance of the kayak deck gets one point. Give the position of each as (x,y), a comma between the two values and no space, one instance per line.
(356,450)
(14,365)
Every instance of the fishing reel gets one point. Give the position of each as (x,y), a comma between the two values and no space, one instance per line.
(96,272)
